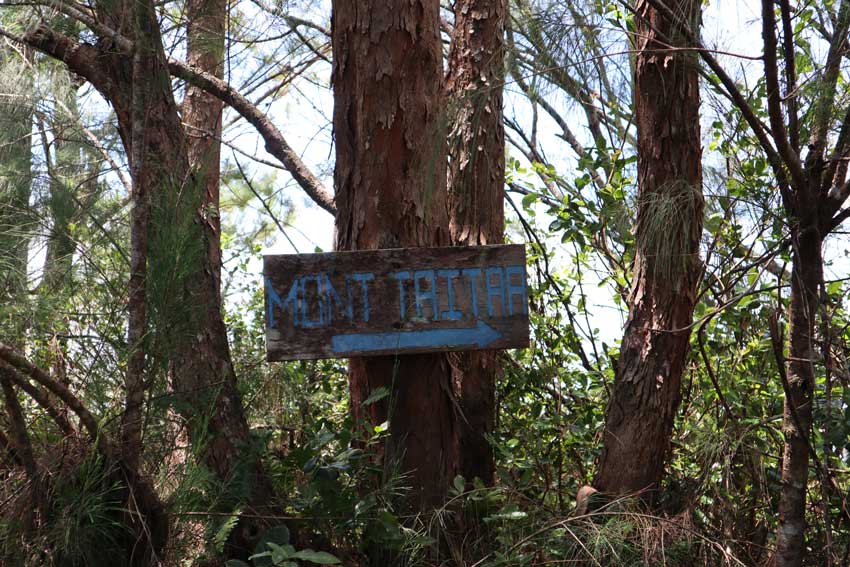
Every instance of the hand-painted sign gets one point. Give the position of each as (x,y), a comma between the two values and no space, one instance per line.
(395,301)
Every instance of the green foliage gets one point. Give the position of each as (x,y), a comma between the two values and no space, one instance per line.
(665,227)
(577,214)
(85,524)
(286,556)
(176,251)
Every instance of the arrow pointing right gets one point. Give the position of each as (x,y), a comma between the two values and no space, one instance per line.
(480,335)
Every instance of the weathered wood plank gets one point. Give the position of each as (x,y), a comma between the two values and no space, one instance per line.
(398,301)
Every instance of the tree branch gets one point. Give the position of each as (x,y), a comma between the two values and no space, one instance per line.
(790,76)
(42,399)
(823,107)
(566,133)
(734,93)
(837,167)
(275,142)
(18,426)
(123,44)
(264,203)
(10,358)
(82,59)
(6,447)
(774,96)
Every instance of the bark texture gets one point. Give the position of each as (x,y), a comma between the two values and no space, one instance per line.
(175,316)
(797,419)
(476,174)
(150,131)
(202,114)
(666,272)
(202,371)
(810,207)
(390,179)
(138,86)
(156,155)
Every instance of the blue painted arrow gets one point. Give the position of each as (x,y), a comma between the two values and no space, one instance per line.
(480,335)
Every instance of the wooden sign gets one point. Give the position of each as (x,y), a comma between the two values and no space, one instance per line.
(408,300)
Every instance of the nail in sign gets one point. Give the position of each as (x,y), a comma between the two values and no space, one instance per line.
(397,301)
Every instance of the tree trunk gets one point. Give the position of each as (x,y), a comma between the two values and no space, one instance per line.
(797,420)
(151,133)
(175,319)
(202,371)
(202,113)
(476,200)
(20,441)
(645,395)
(112,75)
(147,118)
(390,192)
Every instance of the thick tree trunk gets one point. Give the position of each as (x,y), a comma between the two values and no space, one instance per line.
(150,130)
(174,314)
(174,302)
(157,159)
(797,420)
(476,200)
(202,370)
(146,515)
(202,113)
(390,192)
(645,395)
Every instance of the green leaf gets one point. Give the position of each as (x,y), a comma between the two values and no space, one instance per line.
(275,534)
(223,532)
(235,563)
(529,200)
(377,395)
(272,537)
(281,553)
(318,557)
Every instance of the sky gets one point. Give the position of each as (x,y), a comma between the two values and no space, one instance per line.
(303,116)
(727,25)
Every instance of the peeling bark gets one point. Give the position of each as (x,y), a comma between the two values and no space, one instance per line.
(476,174)
(390,180)
(666,272)
(202,114)
(202,371)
